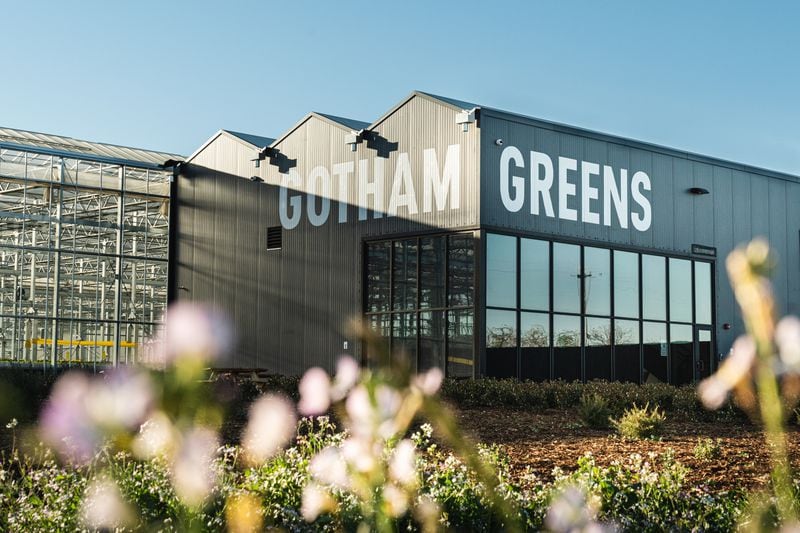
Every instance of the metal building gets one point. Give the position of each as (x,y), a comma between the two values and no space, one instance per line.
(481,241)
(84,248)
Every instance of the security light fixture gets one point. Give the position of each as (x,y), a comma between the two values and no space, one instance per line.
(256,179)
(466,117)
(264,153)
(355,137)
(698,191)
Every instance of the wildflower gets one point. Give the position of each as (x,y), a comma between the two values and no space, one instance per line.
(65,424)
(402,466)
(193,333)
(736,367)
(243,514)
(787,337)
(571,511)
(429,382)
(103,507)
(156,436)
(315,502)
(360,454)
(347,372)
(315,392)
(395,499)
(329,468)
(193,474)
(271,425)
(121,400)
(12,423)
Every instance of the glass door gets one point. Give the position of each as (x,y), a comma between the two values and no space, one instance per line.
(703,352)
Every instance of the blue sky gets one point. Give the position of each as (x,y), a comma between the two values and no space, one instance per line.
(718,78)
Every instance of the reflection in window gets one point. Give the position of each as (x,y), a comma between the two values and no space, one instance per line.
(534,333)
(566,278)
(460,270)
(681,354)
(404,275)
(534,264)
(626,350)
(654,349)
(404,336)
(460,358)
(431,268)
(704,353)
(702,292)
(501,271)
(626,284)
(567,347)
(378,276)
(597,281)
(680,290)
(598,348)
(654,288)
(501,343)
(431,340)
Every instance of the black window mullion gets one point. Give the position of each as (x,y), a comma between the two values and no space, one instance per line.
(612,325)
(582,279)
(641,318)
(669,332)
(519,304)
(550,303)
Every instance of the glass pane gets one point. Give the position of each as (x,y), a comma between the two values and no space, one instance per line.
(597,281)
(702,293)
(460,342)
(680,290)
(431,340)
(598,348)
(501,343)
(681,353)
(626,284)
(566,278)
(501,271)
(377,289)
(460,270)
(431,266)
(534,331)
(654,347)
(704,353)
(404,275)
(654,287)
(534,274)
(566,347)
(626,351)
(404,337)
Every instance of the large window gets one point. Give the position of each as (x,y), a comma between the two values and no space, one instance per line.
(419,295)
(572,312)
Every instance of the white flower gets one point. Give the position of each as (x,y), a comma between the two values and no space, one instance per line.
(122,399)
(65,423)
(347,372)
(402,466)
(315,392)
(713,391)
(396,500)
(329,467)
(156,437)
(429,382)
(360,454)
(787,337)
(193,473)
(103,507)
(272,424)
(315,502)
(195,332)
(571,511)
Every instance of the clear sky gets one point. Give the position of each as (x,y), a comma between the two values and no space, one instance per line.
(720,78)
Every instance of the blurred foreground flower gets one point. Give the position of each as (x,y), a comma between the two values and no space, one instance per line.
(573,512)
(734,370)
(271,424)
(192,333)
(193,474)
(103,507)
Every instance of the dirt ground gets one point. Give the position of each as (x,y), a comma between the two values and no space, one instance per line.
(544,440)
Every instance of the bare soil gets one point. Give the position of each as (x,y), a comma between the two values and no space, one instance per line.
(539,442)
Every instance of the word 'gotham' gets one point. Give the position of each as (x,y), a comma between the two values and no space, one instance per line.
(543,173)
(437,187)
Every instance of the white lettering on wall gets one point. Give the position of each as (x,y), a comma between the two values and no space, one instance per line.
(403,187)
(292,179)
(373,188)
(511,153)
(440,185)
(319,175)
(342,172)
(515,189)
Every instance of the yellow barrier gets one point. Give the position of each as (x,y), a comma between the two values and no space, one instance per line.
(66,342)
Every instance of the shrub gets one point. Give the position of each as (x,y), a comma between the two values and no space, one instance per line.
(708,449)
(640,422)
(593,411)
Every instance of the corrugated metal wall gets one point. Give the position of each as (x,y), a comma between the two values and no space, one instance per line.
(743,203)
(290,306)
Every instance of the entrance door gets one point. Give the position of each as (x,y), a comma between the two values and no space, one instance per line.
(703,352)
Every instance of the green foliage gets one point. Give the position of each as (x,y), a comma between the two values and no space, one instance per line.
(640,422)
(593,411)
(708,449)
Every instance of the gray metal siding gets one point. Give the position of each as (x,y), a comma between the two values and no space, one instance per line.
(742,204)
(291,306)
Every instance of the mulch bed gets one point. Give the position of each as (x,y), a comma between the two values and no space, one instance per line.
(539,442)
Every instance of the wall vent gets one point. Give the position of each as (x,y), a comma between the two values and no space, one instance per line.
(274,238)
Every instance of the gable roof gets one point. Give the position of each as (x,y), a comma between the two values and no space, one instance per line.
(346,124)
(63,146)
(250,140)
